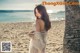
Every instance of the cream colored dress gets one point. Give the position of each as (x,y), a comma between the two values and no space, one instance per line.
(38,42)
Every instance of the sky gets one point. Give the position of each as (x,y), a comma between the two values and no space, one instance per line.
(27,5)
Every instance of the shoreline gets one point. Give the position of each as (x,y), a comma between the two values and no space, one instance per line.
(31,22)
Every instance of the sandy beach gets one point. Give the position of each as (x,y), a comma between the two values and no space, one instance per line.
(14,32)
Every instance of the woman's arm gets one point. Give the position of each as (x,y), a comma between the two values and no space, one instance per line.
(37,26)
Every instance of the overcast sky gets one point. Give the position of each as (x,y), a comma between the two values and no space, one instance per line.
(26,5)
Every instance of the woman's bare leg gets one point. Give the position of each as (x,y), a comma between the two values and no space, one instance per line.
(42,51)
(33,50)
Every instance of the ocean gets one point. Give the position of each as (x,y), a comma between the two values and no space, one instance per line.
(27,16)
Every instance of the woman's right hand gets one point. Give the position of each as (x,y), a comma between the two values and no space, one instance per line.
(31,33)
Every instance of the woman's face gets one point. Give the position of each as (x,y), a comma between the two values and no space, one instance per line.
(38,14)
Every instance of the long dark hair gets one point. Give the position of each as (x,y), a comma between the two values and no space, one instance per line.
(44,16)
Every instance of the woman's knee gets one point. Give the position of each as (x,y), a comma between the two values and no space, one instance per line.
(42,50)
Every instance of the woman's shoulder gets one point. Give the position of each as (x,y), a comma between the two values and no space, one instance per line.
(40,21)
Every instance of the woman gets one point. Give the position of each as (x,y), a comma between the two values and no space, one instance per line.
(38,37)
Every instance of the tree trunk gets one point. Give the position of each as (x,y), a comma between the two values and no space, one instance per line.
(72,28)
